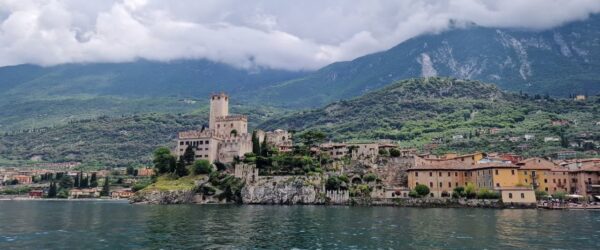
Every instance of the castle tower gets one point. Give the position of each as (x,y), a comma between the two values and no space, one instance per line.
(219,106)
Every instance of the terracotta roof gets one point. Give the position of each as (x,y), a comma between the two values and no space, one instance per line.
(536,163)
(462,167)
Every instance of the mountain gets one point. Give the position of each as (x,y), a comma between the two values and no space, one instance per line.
(557,61)
(424,110)
(34,96)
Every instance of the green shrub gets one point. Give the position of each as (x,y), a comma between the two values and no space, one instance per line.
(540,194)
(394,152)
(202,167)
(413,194)
(422,190)
(370,177)
(485,193)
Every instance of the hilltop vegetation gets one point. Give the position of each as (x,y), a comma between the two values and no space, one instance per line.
(109,141)
(425,110)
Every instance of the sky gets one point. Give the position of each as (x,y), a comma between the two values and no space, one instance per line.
(290,35)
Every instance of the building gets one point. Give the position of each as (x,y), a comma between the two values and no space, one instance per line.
(543,175)
(145,172)
(76,193)
(226,137)
(37,193)
(517,195)
(121,194)
(580,98)
(23,179)
(442,178)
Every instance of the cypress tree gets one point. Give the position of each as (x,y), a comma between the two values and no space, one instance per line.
(255,143)
(52,190)
(180,169)
(76,183)
(189,156)
(93,180)
(105,188)
(264,147)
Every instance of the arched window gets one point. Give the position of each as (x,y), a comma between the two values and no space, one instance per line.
(510,195)
(522,196)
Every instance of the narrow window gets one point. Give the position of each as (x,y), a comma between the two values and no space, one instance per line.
(496,171)
(430,184)
(417,174)
(510,195)
(449,184)
(522,196)
(430,174)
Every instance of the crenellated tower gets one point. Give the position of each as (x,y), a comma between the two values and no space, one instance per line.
(219,107)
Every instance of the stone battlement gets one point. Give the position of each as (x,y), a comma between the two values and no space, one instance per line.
(231,118)
(194,134)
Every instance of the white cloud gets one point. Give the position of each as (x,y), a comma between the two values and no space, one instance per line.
(276,34)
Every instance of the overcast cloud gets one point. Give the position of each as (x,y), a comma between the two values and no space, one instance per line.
(278,34)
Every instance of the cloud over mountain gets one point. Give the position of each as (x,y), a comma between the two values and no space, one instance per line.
(247,34)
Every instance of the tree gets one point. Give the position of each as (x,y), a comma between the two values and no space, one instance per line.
(333,183)
(180,169)
(76,182)
(189,156)
(106,187)
(264,148)
(84,182)
(370,177)
(66,182)
(255,143)
(94,180)
(130,170)
(163,160)
(470,191)
(312,138)
(394,152)
(52,190)
(202,167)
(422,190)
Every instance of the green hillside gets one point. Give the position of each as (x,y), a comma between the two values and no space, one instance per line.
(425,110)
(109,141)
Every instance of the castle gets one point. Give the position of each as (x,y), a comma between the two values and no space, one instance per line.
(227,135)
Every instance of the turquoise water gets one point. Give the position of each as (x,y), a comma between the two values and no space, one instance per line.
(118,225)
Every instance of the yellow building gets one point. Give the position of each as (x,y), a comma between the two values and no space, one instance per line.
(517,195)
(443,178)
(543,175)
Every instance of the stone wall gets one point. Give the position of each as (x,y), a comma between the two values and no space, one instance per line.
(337,197)
(284,190)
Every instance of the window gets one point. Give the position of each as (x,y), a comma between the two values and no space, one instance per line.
(417,174)
(180,143)
(510,195)
(206,142)
(449,184)
(440,184)
(546,189)
(545,180)
(525,172)
(525,180)
(512,172)
(430,184)
(201,142)
(440,174)
(187,143)
(430,174)
(431,194)
(496,171)
(497,184)
(205,156)
(554,180)
(522,196)
(455,173)
(448,174)
(417,183)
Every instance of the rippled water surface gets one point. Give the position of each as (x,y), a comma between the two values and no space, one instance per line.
(118,225)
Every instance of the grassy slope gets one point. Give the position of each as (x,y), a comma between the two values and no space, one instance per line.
(418,110)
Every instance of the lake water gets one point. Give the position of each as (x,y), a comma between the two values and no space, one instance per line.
(119,225)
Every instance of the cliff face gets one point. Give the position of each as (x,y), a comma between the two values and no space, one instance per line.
(283,190)
(164,197)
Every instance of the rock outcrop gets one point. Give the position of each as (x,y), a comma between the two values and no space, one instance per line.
(283,190)
(164,197)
